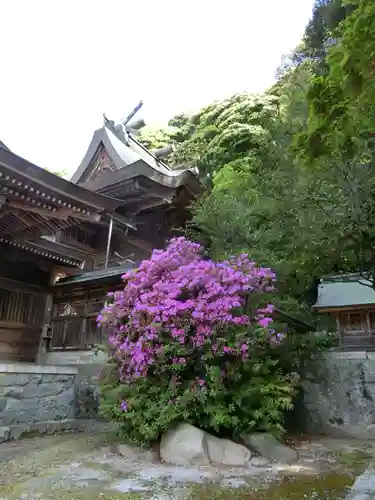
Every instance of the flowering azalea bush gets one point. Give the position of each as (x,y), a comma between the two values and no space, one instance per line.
(194,340)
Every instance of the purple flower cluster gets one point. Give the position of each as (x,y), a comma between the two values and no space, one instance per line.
(179,298)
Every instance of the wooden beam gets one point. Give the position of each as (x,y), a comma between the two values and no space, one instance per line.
(23,217)
(150,204)
(78,215)
(60,213)
(353,308)
(17,286)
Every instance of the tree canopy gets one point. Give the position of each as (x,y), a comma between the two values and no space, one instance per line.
(290,172)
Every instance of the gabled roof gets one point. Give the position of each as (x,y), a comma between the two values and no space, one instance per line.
(345,290)
(133,160)
(3,146)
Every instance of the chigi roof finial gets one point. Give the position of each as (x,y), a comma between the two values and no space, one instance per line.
(118,130)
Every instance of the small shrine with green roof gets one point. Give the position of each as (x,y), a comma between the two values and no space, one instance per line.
(350,300)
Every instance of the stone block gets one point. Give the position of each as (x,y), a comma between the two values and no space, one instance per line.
(43,390)
(65,379)
(3,403)
(269,447)
(369,371)
(347,355)
(18,379)
(13,392)
(4,433)
(26,404)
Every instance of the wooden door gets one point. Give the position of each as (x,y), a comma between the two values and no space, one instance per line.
(355,330)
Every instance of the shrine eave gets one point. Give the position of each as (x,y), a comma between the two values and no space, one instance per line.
(113,274)
(35,202)
(140,169)
(20,173)
(50,254)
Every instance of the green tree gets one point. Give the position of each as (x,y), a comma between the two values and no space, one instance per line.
(339,140)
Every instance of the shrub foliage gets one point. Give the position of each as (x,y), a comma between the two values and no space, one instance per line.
(194,340)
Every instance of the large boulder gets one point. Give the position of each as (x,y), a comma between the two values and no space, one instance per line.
(188,445)
(270,448)
(226,452)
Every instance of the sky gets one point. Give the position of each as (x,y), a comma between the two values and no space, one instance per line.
(65,63)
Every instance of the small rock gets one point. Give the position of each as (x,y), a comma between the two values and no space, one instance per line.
(270,448)
(4,434)
(259,462)
(127,451)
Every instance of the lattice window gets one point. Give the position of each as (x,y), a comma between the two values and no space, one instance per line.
(79,235)
(67,310)
(74,324)
(21,307)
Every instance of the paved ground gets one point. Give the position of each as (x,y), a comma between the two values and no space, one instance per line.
(84,466)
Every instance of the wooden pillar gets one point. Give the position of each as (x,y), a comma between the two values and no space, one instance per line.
(46,332)
(368,323)
(338,326)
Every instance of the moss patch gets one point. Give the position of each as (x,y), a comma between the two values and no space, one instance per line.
(76,494)
(327,487)
(354,461)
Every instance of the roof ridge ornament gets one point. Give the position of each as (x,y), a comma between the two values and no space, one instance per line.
(121,130)
(118,131)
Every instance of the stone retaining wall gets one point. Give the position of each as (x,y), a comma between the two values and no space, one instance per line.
(88,365)
(33,393)
(339,394)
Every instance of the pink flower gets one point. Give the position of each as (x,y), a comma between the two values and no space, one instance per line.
(124,406)
(176,308)
(264,322)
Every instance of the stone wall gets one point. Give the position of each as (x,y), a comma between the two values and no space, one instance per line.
(33,393)
(88,365)
(339,394)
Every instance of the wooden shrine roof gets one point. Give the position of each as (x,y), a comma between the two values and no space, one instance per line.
(127,161)
(36,202)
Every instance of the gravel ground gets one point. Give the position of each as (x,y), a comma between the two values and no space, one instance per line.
(83,465)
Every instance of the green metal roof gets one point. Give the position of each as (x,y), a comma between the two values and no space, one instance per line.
(345,290)
(100,275)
